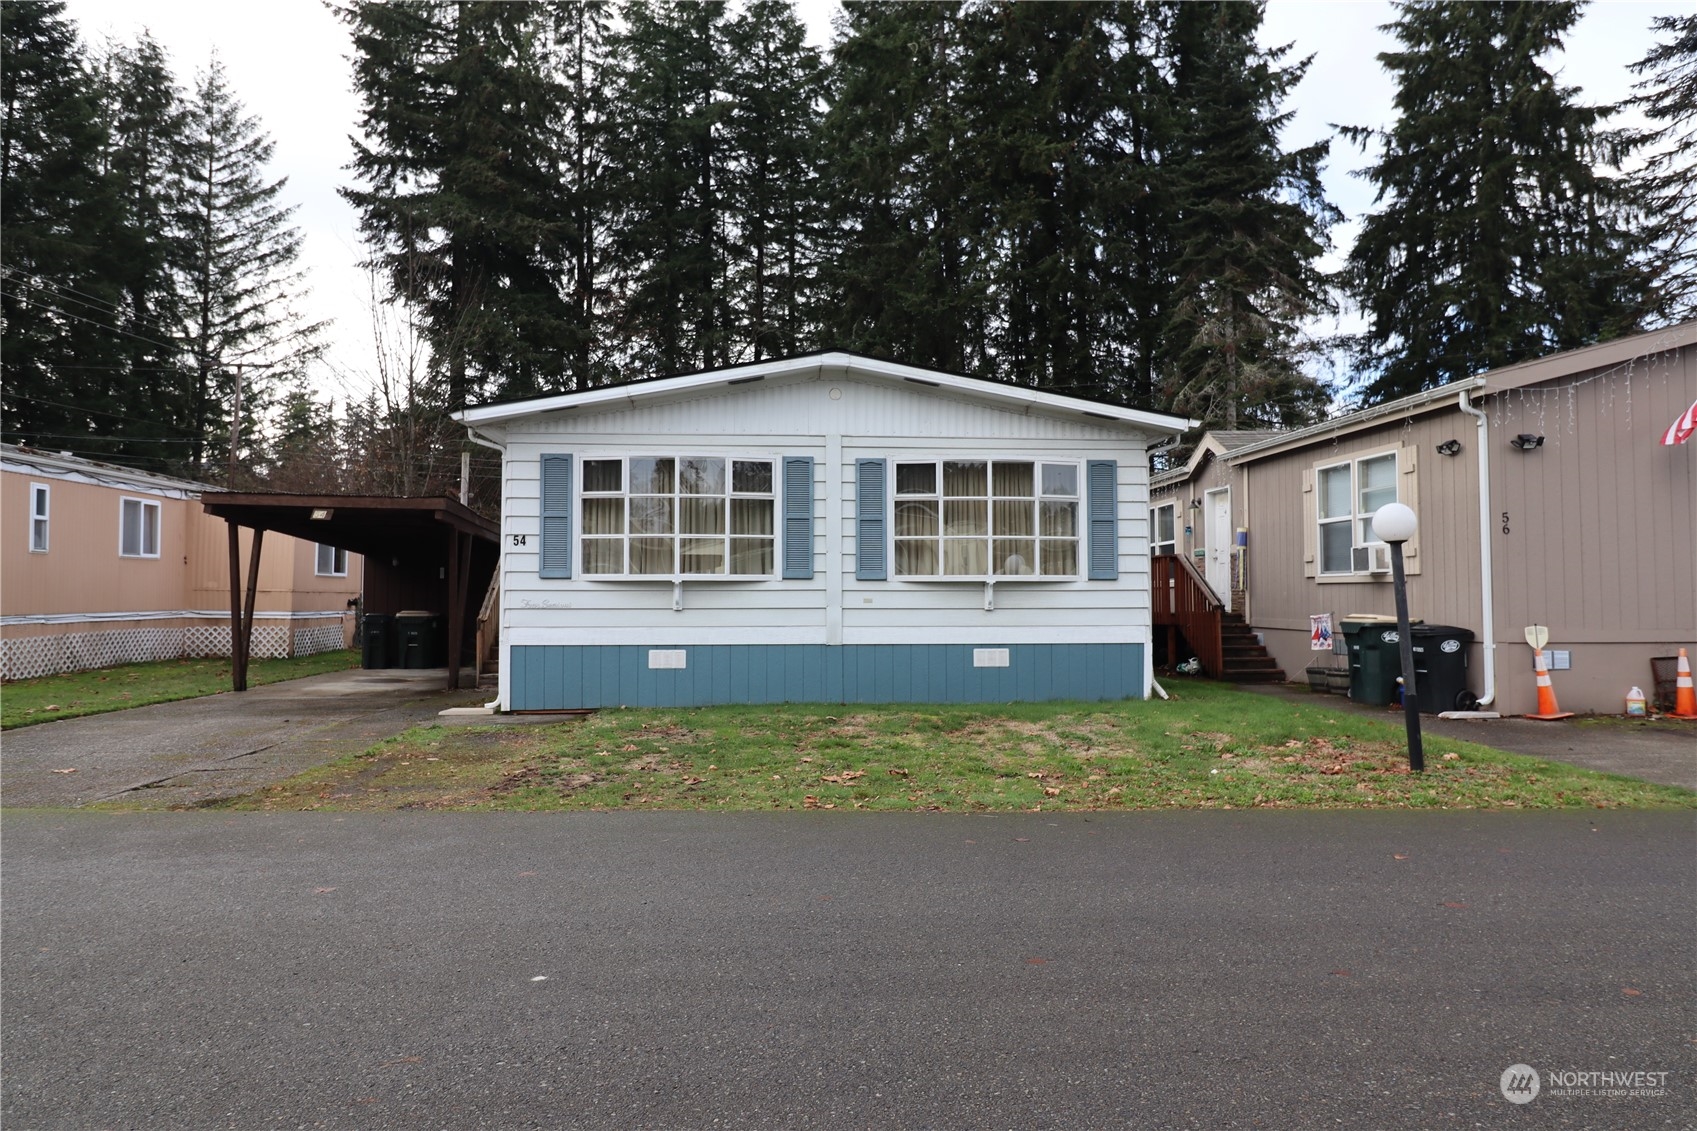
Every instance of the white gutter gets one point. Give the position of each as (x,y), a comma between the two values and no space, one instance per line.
(1488,643)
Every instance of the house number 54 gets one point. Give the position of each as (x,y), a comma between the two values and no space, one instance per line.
(518,539)
(1505,522)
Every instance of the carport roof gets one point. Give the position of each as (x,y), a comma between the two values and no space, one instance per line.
(362,524)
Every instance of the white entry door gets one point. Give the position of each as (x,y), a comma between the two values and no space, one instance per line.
(1218,508)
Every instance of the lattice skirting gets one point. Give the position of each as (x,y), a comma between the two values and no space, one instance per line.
(25,657)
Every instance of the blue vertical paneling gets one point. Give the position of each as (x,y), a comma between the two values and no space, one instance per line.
(553,677)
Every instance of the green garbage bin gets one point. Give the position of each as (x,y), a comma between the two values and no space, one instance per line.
(1375,660)
(418,639)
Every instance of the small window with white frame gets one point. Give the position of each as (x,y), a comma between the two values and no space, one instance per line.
(984,518)
(38,515)
(677,516)
(1349,494)
(332,561)
(138,528)
(1163,529)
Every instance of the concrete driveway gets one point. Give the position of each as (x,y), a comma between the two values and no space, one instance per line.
(220,746)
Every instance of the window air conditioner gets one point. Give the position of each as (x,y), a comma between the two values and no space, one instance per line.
(1371,559)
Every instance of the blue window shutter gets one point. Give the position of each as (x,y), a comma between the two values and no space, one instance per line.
(871,545)
(798,517)
(555,556)
(1102,480)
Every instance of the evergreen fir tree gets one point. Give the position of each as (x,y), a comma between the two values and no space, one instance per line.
(775,91)
(459,199)
(1665,187)
(146,121)
(241,271)
(1496,239)
(1249,227)
(581,41)
(672,247)
(59,220)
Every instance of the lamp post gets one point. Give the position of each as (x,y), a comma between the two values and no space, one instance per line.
(1395,524)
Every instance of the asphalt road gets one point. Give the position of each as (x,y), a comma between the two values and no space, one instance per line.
(1196,970)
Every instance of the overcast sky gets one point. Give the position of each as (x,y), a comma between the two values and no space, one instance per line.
(287,62)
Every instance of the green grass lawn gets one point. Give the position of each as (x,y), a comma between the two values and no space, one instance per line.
(1211,747)
(25,702)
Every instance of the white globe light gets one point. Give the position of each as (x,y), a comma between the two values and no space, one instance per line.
(1394,522)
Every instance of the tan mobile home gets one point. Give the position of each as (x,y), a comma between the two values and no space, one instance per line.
(1545,497)
(105,565)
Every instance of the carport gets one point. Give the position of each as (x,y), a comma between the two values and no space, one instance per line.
(426,553)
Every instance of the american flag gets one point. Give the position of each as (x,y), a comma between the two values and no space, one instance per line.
(1682,429)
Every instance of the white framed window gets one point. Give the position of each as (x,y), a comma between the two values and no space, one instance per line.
(1348,496)
(1163,529)
(332,561)
(678,516)
(986,518)
(138,528)
(38,514)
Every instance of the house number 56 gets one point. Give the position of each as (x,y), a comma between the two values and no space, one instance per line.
(518,539)
(1505,522)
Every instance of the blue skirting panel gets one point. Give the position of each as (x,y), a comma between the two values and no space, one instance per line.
(557,676)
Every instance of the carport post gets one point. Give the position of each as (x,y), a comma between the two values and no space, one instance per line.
(241,614)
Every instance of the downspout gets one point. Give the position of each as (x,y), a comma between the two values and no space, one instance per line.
(1488,642)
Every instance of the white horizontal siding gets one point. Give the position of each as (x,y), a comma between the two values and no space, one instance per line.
(775,419)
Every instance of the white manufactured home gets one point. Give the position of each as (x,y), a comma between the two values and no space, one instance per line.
(827,528)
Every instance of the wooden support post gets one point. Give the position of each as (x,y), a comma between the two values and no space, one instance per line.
(252,596)
(456,610)
(238,666)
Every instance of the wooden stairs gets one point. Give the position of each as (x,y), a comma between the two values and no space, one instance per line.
(1185,605)
(1244,659)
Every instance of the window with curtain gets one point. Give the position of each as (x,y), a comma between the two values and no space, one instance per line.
(678,516)
(1349,495)
(986,518)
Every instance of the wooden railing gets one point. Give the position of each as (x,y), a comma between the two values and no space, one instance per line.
(488,628)
(1182,600)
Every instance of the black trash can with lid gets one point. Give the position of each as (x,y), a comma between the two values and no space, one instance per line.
(1440,667)
(418,639)
(1374,659)
(376,641)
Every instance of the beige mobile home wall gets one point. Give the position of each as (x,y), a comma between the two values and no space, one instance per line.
(1443,581)
(66,608)
(1595,533)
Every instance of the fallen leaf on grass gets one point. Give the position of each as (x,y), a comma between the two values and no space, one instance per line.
(1451,757)
(1051,791)
(810,802)
(896,772)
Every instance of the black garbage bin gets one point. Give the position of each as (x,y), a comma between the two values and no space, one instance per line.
(1375,661)
(418,639)
(376,641)
(1440,667)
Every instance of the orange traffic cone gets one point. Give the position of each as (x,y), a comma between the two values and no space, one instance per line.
(1548,710)
(1684,697)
